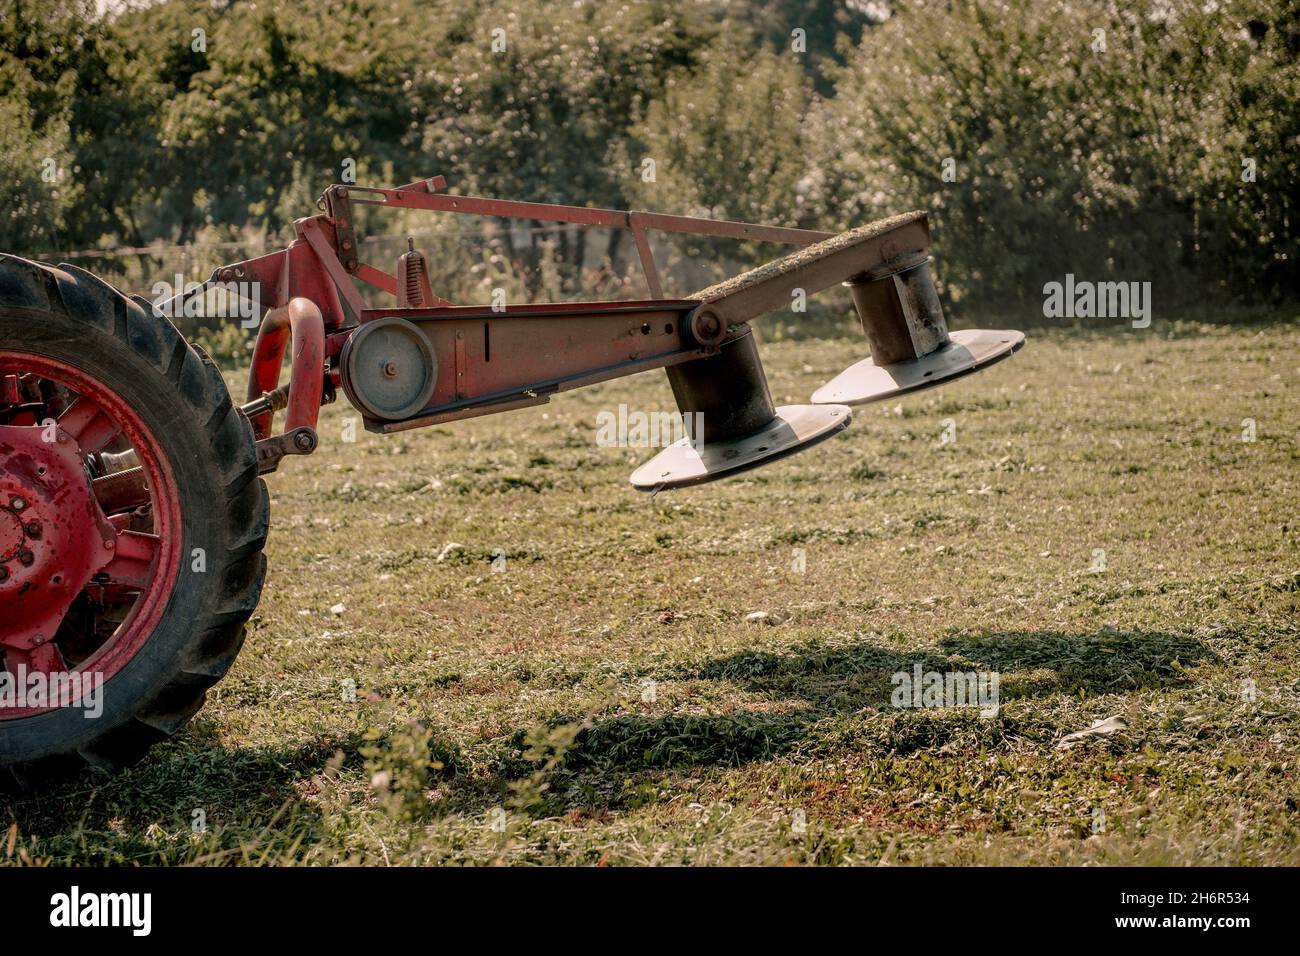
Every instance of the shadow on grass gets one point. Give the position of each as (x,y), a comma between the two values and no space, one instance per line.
(834,696)
(841,699)
(834,679)
(1030,663)
(147,814)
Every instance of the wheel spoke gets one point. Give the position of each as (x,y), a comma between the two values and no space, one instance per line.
(89,425)
(133,562)
(45,659)
(93,544)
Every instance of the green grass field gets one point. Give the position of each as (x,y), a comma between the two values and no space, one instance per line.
(603,699)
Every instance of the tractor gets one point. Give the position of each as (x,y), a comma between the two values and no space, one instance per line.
(133,503)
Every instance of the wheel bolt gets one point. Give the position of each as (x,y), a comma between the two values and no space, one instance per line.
(17,504)
(25,558)
(4,573)
(34,530)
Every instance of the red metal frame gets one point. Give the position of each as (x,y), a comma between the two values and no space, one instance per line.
(312,295)
(490,360)
(427,194)
(302,323)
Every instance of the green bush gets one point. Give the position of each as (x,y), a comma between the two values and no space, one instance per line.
(1104,139)
(1120,160)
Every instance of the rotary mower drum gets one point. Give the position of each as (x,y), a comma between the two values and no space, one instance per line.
(132,511)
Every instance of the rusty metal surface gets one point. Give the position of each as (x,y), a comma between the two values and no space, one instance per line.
(271,451)
(646,255)
(900,312)
(726,393)
(339,200)
(301,326)
(388,369)
(480,360)
(816,267)
(121,490)
(409,198)
(513,357)
(53,534)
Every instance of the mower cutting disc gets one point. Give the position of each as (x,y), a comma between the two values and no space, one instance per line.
(969,351)
(794,428)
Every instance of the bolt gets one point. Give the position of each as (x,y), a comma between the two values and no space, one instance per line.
(17,504)
(25,558)
(709,325)
(347,243)
(4,573)
(390,369)
(34,530)
(304,441)
(38,640)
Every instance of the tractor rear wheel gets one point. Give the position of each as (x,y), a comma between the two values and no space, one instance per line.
(132,522)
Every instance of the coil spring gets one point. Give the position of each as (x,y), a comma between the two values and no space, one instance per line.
(414,274)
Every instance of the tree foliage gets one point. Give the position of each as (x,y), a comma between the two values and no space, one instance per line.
(226,118)
(1104,139)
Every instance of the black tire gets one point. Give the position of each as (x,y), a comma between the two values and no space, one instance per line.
(72,316)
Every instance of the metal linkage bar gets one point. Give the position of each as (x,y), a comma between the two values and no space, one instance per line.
(426,194)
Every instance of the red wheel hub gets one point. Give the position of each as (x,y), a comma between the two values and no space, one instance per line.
(85,574)
(11,536)
(58,536)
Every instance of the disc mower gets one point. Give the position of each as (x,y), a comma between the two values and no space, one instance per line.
(133,511)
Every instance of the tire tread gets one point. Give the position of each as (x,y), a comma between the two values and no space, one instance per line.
(202,394)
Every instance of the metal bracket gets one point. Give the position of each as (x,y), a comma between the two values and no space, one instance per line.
(299,441)
(339,204)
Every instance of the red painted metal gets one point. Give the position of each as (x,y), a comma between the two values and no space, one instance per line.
(426,195)
(491,358)
(301,321)
(378,278)
(496,359)
(53,536)
(322,264)
(578,343)
(57,543)
(412,198)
